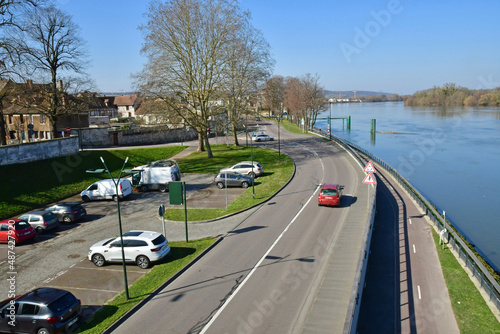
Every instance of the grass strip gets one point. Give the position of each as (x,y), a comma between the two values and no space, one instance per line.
(278,169)
(471,312)
(32,185)
(182,253)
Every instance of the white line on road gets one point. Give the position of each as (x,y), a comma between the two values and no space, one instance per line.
(216,315)
(414,250)
(409,219)
(419,295)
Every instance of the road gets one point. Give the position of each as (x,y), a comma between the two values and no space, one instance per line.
(259,277)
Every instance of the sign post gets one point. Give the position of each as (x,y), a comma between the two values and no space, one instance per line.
(161,212)
(369,178)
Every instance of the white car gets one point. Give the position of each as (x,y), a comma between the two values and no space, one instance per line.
(245,168)
(262,137)
(141,247)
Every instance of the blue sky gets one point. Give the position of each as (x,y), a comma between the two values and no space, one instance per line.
(388,46)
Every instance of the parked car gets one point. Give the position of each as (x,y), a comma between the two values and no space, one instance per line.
(67,212)
(232,179)
(245,168)
(141,247)
(17,230)
(106,189)
(330,194)
(262,137)
(41,311)
(41,221)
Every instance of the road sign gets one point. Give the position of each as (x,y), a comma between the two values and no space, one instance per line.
(327,130)
(369,178)
(369,168)
(68,130)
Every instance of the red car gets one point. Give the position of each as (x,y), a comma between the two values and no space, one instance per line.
(17,229)
(330,194)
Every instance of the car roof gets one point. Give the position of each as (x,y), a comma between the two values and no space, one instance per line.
(45,295)
(142,234)
(330,185)
(15,220)
(247,162)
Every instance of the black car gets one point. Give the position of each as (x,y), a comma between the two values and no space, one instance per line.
(68,212)
(41,311)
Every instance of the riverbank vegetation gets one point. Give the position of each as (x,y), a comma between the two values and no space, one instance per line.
(381,98)
(451,95)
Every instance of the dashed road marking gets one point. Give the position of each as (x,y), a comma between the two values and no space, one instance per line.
(419,295)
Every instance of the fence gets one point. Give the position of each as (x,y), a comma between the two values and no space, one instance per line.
(469,260)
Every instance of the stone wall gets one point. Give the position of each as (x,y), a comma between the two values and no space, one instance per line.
(40,150)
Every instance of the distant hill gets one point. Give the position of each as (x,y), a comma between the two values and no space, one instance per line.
(350,93)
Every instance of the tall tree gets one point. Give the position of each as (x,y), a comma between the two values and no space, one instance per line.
(314,98)
(51,47)
(187,44)
(274,92)
(249,65)
(11,11)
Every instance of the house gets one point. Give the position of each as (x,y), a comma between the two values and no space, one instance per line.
(127,105)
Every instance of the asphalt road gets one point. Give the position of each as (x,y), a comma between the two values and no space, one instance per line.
(259,277)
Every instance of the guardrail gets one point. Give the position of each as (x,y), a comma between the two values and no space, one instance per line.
(466,257)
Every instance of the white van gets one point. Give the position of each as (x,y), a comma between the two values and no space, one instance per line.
(105,189)
(156,175)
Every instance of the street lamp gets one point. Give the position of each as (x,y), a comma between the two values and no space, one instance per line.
(117,183)
(279,139)
(251,155)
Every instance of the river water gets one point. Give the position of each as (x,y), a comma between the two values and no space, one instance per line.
(452,156)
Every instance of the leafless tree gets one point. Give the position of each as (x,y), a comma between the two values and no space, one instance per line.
(187,44)
(11,11)
(274,93)
(249,65)
(304,98)
(52,49)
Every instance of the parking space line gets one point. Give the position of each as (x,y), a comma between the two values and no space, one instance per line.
(89,289)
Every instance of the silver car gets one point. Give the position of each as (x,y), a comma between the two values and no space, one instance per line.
(245,168)
(41,220)
(232,179)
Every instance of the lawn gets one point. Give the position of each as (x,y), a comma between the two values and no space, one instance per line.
(35,184)
(278,169)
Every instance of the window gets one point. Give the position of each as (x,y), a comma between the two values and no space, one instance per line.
(4,227)
(42,119)
(30,309)
(136,243)
(10,119)
(21,118)
(34,218)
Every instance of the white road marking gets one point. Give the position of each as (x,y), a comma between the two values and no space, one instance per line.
(414,250)
(409,220)
(419,295)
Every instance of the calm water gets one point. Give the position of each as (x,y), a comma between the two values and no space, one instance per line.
(452,156)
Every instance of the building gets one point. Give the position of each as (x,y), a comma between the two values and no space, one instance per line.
(127,105)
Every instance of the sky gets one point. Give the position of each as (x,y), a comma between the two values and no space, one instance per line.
(392,46)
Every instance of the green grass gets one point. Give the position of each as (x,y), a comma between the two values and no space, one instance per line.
(35,184)
(471,311)
(291,127)
(181,254)
(278,169)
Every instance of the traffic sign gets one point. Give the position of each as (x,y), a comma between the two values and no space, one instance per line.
(369,168)
(327,130)
(369,178)
(68,130)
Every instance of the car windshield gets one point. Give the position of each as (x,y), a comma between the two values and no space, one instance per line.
(48,215)
(328,191)
(21,225)
(159,240)
(63,303)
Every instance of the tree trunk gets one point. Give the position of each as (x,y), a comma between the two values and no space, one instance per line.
(235,135)
(209,149)
(3,131)
(201,147)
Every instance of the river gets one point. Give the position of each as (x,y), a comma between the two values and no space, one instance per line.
(452,156)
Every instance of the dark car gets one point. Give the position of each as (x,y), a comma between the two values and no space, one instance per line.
(15,230)
(41,311)
(68,212)
(232,179)
(41,220)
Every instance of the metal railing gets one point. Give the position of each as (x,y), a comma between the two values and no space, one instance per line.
(464,254)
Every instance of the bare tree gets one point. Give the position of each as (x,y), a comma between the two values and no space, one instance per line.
(274,93)
(314,98)
(10,13)
(186,42)
(51,47)
(249,65)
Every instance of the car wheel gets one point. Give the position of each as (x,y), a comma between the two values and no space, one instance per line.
(144,188)
(86,199)
(142,261)
(220,185)
(98,260)
(272,139)
(67,219)
(162,188)
(43,331)
(114,198)
(39,230)
(252,174)
(244,184)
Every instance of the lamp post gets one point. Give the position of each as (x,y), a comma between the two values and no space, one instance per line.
(117,183)
(279,139)
(251,156)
